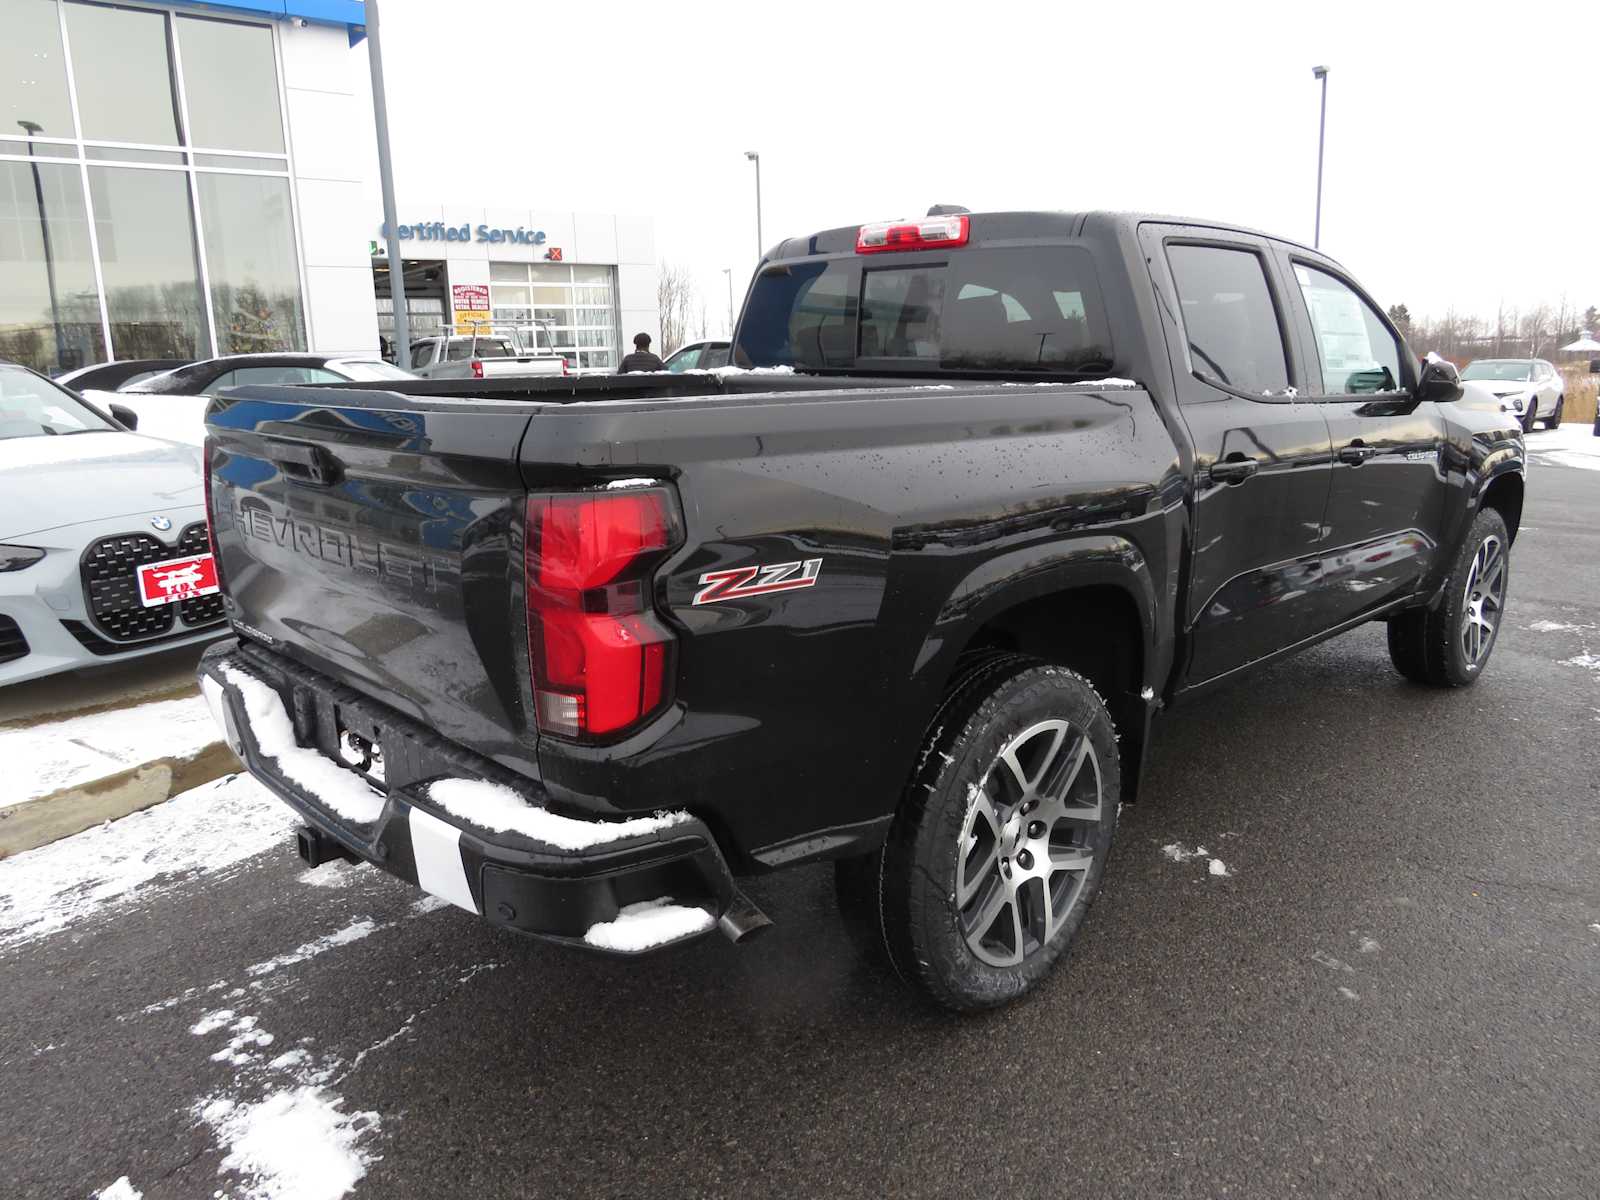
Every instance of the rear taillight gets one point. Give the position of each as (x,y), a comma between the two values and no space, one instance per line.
(600,657)
(477,368)
(930,233)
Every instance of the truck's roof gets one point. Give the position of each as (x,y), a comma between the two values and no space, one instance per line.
(1022,224)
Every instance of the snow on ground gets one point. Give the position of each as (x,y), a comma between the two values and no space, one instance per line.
(353,932)
(1570,445)
(176,418)
(41,759)
(296,1144)
(120,1190)
(497,808)
(1179,853)
(649,923)
(205,831)
(1557,627)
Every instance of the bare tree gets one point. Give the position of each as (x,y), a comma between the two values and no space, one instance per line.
(675,301)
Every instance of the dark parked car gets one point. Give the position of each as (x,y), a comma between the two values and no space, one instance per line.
(578,656)
(114,376)
(211,375)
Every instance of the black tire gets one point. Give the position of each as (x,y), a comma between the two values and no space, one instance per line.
(1531,416)
(1553,421)
(971,821)
(1440,647)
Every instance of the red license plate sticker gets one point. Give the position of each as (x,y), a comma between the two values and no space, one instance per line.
(177,579)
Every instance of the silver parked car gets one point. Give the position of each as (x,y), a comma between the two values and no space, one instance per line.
(104,553)
(1529,387)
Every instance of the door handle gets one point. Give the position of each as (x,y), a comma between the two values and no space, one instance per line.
(1234,470)
(1356,453)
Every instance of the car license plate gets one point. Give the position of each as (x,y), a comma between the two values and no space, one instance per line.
(177,579)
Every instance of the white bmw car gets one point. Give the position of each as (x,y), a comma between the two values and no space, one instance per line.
(104,553)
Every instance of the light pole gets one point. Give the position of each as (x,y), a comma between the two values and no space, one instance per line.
(728,271)
(761,242)
(32,129)
(391,228)
(1322,127)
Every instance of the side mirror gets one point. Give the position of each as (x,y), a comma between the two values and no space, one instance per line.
(125,414)
(1439,380)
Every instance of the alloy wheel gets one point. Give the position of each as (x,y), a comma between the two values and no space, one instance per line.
(1483,600)
(1028,842)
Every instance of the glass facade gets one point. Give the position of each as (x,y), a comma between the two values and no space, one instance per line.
(145,200)
(572,307)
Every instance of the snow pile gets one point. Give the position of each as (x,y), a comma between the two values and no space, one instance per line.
(120,1190)
(295,1144)
(201,832)
(1179,853)
(41,759)
(1591,661)
(1569,445)
(497,808)
(176,418)
(334,787)
(648,923)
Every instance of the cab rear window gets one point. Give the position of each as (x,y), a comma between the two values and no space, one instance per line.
(999,310)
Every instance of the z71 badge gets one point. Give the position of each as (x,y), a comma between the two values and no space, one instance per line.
(739,582)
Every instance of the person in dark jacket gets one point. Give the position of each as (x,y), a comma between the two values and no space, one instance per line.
(641,359)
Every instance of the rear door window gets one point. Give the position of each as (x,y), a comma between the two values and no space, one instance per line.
(1229,318)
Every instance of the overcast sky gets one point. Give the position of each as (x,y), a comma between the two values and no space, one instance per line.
(1463,142)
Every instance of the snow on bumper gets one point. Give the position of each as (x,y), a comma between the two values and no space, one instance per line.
(460,829)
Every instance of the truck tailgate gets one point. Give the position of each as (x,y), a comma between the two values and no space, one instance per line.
(375,538)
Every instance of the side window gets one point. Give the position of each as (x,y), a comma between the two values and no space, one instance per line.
(319,376)
(422,355)
(1359,355)
(266,375)
(226,379)
(714,356)
(685,361)
(1228,318)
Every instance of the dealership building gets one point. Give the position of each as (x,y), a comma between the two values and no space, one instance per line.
(186,179)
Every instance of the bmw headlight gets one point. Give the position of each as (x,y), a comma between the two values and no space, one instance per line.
(14,558)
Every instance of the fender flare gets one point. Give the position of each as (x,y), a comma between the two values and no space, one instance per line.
(1003,582)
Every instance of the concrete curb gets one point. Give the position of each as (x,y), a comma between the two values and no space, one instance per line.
(71,810)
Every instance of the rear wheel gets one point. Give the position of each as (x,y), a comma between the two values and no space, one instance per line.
(1449,646)
(997,849)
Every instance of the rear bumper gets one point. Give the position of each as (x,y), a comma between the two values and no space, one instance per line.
(511,879)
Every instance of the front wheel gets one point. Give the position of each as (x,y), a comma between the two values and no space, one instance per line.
(1449,646)
(1531,416)
(1554,420)
(997,849)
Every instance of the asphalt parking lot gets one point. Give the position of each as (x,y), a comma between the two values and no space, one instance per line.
(1395,991)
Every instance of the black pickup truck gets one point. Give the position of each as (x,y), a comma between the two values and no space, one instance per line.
(579,654)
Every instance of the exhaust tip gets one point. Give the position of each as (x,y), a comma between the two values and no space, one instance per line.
(742,919)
